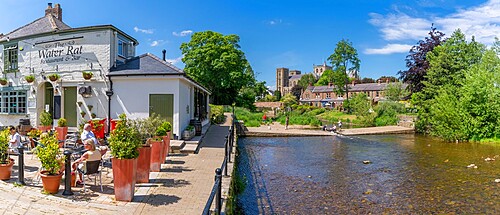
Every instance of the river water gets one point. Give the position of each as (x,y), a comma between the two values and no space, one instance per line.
(407,174)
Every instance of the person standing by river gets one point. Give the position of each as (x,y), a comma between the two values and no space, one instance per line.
(286,122)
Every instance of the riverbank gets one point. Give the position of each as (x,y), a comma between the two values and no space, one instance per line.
(277,130)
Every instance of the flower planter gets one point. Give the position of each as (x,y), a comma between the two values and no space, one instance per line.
(61,132)
(50,182)
(6,170)
(187,134)
(45,128)
(166,144)
(144,164)
(156,154)
(124,178)
(87,76)
(52,78)
(73,179)
(3,82)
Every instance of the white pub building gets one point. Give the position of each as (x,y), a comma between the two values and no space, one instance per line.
(121,82)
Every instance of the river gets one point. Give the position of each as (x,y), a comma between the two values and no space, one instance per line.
(406,174)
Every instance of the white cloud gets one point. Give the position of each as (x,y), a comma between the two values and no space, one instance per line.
(146,31)
(482,22)
(390,49)
(275,22)
(157,43)
(273,88)
(176,60)
(182,33)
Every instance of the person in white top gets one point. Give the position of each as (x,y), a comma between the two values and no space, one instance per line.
(92,154)
(15,140)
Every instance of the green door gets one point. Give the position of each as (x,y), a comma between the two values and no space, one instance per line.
(49,98)
(162,105)
(70,110)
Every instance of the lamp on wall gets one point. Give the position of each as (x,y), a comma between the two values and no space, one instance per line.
(42,73)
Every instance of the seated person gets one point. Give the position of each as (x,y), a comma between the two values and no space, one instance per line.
(88,134)
(92,154)
(15,140)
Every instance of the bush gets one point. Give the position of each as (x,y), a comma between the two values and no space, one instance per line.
(45,118)
(48,153)
(62,122)
(4,146)
(163,129)
(125,140)
(217,114)
(251,119)
(387,113)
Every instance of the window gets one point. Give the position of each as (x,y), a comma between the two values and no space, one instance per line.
(377,94)
(13,102)
(10,58)
(122,48)
(328,95)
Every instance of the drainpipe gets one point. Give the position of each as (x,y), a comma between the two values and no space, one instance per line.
(109,93)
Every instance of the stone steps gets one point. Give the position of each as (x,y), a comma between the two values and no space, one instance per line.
(177,145)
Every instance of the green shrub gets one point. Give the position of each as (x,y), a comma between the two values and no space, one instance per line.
(125,140)
(387,113)
(4,146)
(45,118)
(62,122)
(49,155)
(217,114)
(251,119)
(163,129)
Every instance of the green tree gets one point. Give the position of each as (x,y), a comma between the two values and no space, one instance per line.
(345,57)
(367,80)
(361,107)
(297,91)
(260,89)
(288,100)
(395,91)
(277,95)
(246,98)
(216,61)
(337,78)
(306,80)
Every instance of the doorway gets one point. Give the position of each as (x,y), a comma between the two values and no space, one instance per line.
(70,109)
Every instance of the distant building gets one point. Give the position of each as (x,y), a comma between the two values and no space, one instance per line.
(325,96)
(287,79)
(319,69)
(281,79)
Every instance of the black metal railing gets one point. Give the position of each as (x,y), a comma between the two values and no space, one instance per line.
(216,193)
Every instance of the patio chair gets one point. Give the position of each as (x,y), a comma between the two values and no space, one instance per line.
(93,168)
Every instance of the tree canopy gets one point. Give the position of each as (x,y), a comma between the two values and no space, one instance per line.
(417,62)
(345,57)
(337,78)
(216,61)
(306,80)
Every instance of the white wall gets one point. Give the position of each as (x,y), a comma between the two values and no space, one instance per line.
(98,53)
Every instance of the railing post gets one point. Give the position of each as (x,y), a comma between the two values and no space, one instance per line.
(225,156)
(67,174)
(218,195)
(230,148)
(20,166)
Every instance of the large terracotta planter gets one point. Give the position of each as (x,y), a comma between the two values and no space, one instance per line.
(45,128)
(6,170)
(124,178)
(166,150)
(51,182)
(156,154)
(144,164)
(61,132)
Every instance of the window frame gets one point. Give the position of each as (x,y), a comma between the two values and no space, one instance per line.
(14,102)
(124,48)
(10,50)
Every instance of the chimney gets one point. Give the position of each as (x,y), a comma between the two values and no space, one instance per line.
(164,54)
(55,11)
(353,82)
(330,84)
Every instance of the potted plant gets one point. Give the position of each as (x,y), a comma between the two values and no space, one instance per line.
(34,134)
(6,162)
(188,132)
(92,115)
(97,127)
(90,107)
(124,142)
(53,77)
(87,75)
(52,162)
(3,81)
(144,159)
(79,103)
(62,129)
(164,131)
(83,114)
(29,78)
(45,121)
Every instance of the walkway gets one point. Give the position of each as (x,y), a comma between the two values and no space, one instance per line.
(182,187)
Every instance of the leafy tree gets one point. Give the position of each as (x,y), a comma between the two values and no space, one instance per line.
(216,61)
(361,107)
(387,113)
(277,95)
(345,57)
(270,98)
(387,79)
(246,98)
(297,91)
(288,100)
(417,62)
(367,80)
(337,78)
(306,80)
(395,91)
(260,89)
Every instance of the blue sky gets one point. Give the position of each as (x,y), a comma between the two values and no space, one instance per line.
(292,34)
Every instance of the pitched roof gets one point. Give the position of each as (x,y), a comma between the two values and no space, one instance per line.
(145,64)
(355,88)
(48,23)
